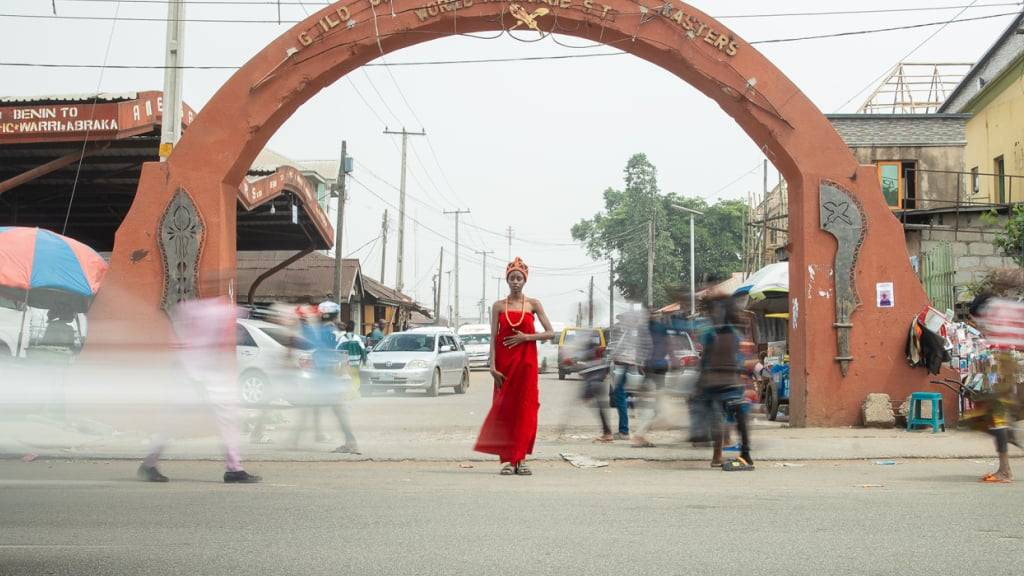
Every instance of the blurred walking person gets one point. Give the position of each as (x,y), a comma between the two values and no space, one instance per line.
(595,382)
(1002,323)
(720,387)
(329,381)
(205,332)
(510,429)
(629,348)
(653,390)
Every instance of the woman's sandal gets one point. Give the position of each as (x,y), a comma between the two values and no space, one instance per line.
(994,479)
(523,470)
(507,470)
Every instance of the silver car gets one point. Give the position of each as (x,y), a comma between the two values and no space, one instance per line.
(273,363)
(422,359)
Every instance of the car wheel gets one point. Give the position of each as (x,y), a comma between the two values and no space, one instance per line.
(561,375)
(254,388)
(435,383)
(464,385)
(771,400)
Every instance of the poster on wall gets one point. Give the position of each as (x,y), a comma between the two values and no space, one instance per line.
(884,295)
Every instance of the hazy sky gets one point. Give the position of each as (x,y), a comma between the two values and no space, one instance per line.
(528,144)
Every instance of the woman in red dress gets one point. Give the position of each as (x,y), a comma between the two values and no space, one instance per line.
(511,426)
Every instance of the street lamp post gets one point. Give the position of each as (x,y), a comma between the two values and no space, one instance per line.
(693,282)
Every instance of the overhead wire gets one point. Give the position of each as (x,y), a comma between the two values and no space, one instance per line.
(92,114)
(274,3)
(942,23)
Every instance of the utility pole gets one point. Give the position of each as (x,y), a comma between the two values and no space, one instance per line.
(497,287)
(339,228)
(449,273)
(611,293)
(399,282)
(435,284)
(509,231)
(650,262)
(693,267)
(483,288)
(383,245)
(457,213)
(174,59)
(437,295)
(746,237)
(579,313)
(590,305)
(764,216)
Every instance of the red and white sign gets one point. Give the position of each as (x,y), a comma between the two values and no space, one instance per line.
(97,121)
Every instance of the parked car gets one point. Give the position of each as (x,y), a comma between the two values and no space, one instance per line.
(547,351)
(476,339)
(684,365)
(273,362)
(420,359)
(568,345)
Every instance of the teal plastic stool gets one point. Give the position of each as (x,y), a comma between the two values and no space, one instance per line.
(914,418)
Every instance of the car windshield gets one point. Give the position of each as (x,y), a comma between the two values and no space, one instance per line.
(287,339)
(575,335)
(406,343)
(471,339)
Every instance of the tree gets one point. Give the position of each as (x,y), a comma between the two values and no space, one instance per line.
(620,231)
(1011,238)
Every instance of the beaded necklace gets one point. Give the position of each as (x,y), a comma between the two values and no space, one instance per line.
(521,318)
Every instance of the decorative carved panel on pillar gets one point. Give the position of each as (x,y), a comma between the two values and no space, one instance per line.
(842,216)
(181,243)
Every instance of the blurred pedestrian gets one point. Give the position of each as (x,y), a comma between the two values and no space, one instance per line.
(629,348)
(1002,323)
(328,383)
(656,368)
(720,387)
(205,331)
(510,429)
(594,372)
(377,334)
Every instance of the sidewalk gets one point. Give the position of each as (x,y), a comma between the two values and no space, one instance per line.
(771,442)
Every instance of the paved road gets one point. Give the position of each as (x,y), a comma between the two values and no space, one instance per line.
(917,517)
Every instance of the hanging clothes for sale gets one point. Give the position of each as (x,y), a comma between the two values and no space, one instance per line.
(926,343)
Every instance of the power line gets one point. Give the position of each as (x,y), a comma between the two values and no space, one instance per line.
(276,3)
(449,239)
(942,23)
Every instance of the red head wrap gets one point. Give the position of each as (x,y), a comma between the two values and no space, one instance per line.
(517,265)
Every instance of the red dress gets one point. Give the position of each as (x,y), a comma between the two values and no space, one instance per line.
(511,426)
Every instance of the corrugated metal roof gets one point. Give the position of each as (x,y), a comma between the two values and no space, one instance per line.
(49,98)
(268,161)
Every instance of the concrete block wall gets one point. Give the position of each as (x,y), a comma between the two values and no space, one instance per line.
(974,254)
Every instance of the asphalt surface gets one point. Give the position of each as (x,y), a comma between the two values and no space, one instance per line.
(914,517)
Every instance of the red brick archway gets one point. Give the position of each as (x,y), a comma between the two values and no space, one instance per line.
(213,156)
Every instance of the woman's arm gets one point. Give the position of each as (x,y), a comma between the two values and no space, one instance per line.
(499,378)
(548,333)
